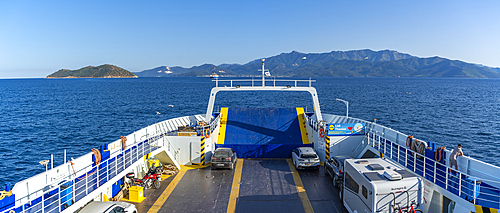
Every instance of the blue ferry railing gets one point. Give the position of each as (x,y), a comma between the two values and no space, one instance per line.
(58,198)
(468,187)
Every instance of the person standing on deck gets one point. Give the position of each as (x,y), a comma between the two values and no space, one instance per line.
(454,154)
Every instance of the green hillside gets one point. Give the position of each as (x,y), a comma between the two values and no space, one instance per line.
(103,71)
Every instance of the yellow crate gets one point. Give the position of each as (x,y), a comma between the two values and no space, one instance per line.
(136,194)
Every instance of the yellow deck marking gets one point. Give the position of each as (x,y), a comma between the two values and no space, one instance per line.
(170,188)
(235,188)
(223,124)
(300,188)
(302,125)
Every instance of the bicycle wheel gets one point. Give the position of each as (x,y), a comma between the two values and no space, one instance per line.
(418,210)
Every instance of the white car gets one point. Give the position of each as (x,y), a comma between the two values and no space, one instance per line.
(305,157)
(109,207)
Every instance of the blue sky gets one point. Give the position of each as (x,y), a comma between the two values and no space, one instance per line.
(38,38)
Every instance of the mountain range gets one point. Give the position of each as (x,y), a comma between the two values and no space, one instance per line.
(354,63)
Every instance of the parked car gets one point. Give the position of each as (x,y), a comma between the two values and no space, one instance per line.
(334,167)
(223,158)
(109,207)
(305,157)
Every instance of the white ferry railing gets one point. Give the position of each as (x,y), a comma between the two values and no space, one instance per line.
(465,186)
(295,82)
(59,197)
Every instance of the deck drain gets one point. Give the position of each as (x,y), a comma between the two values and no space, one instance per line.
(210,177)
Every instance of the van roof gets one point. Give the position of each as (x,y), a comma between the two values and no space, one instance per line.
(373,168)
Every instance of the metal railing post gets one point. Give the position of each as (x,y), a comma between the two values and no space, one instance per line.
(391,149)
(406,158)
(414,161)
(459,184)
(385,146)
(97,172)
(59,199)
(86,184)
(435,167)
(43,203)
(424,166)
(446,179)
(474,195)
(398,153)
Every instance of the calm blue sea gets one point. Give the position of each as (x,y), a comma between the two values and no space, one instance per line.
(39,117)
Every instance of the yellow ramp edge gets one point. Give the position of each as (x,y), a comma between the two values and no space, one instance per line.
(222,127)
(300,188)
(235,188)
(302,125)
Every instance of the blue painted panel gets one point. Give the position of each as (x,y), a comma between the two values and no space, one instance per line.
(262,132)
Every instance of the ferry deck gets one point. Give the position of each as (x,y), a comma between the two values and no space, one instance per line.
(255,185)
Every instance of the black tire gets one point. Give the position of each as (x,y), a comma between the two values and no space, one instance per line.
(418,210)
(324,169)
(340,193)
(335,181)
(156,184)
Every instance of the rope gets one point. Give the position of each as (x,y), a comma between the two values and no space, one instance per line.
(437,154)
(124,139)
(97,156)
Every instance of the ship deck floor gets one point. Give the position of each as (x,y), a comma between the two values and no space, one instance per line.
(265,185)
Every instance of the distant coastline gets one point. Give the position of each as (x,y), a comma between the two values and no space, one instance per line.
(103,71)
(93,77)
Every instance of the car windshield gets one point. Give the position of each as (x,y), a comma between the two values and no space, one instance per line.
(308,156)
(221,154)
(343,158)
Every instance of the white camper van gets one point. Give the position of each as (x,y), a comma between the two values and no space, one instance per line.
(377,185)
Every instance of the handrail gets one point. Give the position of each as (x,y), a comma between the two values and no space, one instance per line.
(453,180)
(92,175)
(259,80)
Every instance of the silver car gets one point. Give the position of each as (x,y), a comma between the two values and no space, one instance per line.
(109,207)
(305,157)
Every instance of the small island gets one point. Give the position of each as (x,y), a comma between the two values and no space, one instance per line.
(103,71)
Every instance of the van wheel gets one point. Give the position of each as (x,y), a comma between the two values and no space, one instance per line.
(340,193)
(324,169)
(335,184)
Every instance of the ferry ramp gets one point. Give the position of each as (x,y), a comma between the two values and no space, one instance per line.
(255,185)
(262,132)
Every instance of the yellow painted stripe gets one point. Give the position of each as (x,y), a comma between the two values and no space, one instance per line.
(223,122)
(482,209)
(300,188)
(479,209)
(164,196)
(235,188)
(170,188)
(302,125)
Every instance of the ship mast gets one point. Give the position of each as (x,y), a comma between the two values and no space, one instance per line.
(263,70)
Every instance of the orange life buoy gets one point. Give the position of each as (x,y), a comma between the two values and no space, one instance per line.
(207,133)
(322,132)
(408,141)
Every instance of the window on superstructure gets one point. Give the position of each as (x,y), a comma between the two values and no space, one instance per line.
(351,183)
